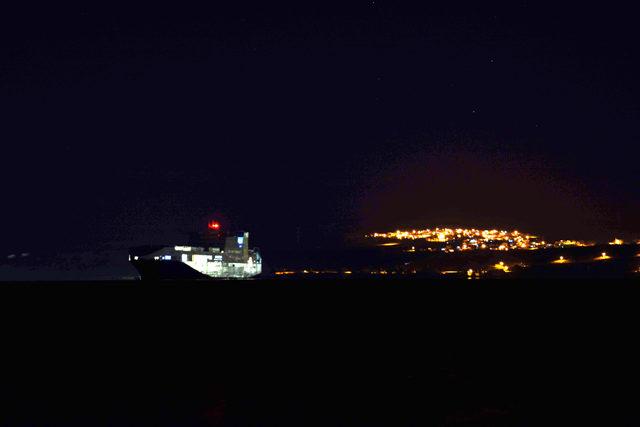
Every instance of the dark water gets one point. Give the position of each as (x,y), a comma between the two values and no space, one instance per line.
(290,354)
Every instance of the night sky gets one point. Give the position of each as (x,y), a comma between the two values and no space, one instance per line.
(138,124)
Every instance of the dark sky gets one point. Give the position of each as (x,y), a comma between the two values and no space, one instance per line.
(134,124)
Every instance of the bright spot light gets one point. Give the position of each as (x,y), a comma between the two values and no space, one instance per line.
(501,266)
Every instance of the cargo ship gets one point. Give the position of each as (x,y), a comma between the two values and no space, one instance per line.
(181,262)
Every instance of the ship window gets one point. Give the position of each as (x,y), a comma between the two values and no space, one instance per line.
(185,257)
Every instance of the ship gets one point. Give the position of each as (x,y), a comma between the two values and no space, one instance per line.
(185,262)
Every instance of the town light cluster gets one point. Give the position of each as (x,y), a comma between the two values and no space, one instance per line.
(570,243)
(463,239)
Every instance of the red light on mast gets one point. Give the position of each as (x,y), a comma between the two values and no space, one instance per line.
(214,225)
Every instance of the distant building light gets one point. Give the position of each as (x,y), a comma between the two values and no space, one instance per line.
(502,266)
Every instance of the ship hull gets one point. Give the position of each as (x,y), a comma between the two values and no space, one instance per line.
(151,270)
(180,262)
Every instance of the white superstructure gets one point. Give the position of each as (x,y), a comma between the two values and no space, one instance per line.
(212,262)
(235,261)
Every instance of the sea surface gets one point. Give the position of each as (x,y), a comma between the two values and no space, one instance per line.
(283,353)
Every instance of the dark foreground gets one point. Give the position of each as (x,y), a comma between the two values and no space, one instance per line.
(272,353)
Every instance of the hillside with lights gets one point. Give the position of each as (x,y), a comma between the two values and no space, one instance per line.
(469,253)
